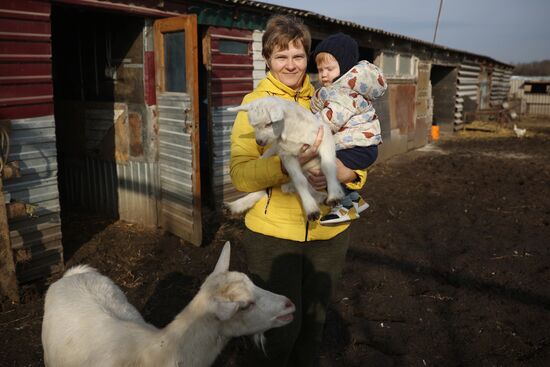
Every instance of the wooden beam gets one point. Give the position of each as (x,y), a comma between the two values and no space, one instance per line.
(8,279)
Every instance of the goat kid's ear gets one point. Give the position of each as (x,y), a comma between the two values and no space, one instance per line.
(224,309)
(276,113)
(223,261)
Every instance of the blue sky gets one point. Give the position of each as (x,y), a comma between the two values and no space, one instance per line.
(511,31)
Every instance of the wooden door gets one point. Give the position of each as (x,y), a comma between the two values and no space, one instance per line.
(176,55)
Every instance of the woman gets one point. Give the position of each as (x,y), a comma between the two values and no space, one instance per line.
(285,253)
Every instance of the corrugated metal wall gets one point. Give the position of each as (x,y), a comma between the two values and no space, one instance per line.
(467,92)
(25,59)
(232,78)
(259,63)
(138,185)
(35,239)
(91,183)
(125,191)
(175,164)
(231,73)
(221,133)
(537,104)
(500,85)
(26,101)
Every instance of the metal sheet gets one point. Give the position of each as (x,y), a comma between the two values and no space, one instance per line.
(231,74)
(222,123)
(467,92)
(137,191)
(36,239)
(175,157)
(25,60)
(232,79)
(500,85)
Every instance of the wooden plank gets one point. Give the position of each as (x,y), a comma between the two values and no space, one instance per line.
(8,279)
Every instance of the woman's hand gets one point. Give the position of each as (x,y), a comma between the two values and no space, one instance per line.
(308,152)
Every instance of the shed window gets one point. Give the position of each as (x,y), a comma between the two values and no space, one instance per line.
(233,47)
(174,56)
(537,88)
(404,65)
(400,66)
(389,63)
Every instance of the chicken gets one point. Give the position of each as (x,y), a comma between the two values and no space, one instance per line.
(520,133)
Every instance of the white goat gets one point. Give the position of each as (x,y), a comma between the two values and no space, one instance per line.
(288,127)
(88,321)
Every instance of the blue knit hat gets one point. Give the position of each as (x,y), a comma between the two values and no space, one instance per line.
(344,49)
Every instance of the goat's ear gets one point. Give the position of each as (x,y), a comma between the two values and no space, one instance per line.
(224,309)
(223,261)
(276,113)
(243,107)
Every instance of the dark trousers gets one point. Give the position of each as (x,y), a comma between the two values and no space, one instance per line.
(307,273)
(358,157)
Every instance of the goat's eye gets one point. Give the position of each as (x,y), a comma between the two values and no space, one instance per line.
(268,124)
(247,306)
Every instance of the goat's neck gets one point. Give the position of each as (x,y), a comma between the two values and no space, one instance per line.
(193,338)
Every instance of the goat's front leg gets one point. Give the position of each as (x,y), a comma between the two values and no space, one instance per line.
(301,185)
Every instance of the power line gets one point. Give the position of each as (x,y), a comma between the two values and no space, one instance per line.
(437,21)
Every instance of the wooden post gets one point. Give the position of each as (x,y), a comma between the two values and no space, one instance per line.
(8,279)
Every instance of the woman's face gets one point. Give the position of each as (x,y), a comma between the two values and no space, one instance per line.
(289,66)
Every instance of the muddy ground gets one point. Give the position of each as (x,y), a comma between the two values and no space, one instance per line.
(449,267)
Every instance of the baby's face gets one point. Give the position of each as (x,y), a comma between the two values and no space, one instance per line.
(328,71)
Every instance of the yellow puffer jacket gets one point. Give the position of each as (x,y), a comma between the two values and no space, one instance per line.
(279,215)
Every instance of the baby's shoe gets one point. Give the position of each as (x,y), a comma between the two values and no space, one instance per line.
(340,214)
(359,204)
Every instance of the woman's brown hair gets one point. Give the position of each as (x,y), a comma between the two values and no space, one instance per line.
(280,31)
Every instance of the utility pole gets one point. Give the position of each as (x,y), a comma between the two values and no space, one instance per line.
(437,21)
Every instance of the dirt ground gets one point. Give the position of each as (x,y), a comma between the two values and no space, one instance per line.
(449,267)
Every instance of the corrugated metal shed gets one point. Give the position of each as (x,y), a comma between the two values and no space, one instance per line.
(25,59)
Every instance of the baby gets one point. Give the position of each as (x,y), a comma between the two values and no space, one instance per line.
(344,102)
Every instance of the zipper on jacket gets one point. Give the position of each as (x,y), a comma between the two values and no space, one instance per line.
(307,229)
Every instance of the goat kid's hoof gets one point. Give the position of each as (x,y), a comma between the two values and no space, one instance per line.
(314,216)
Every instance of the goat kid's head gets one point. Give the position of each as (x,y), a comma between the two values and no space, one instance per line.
(266,116)
(242,307)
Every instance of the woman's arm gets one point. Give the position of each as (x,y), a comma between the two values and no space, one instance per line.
(354,180)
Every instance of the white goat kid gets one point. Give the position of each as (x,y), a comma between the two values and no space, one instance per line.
(88,321)
(288,127)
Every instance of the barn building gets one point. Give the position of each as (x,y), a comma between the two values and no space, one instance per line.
(119,107)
